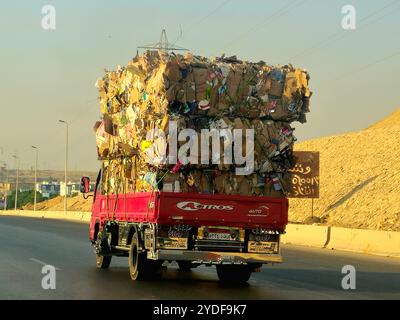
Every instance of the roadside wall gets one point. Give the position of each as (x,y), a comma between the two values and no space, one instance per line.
(60,215)
(385,243)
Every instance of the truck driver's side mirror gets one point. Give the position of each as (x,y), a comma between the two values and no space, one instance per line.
(85,185)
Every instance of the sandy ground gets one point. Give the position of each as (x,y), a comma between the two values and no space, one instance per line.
(360,178)
(77,203)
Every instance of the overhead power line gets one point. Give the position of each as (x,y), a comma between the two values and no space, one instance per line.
(197,22)
(341,34)
(280,12)
(362,68)
(209,14)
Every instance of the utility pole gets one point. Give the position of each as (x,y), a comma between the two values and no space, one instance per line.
(5,198)
(16,182)
(4,167)
(66,163)
(36,167)
(6,193)
(5,185)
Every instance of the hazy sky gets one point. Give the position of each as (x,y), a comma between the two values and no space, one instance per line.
(50,75)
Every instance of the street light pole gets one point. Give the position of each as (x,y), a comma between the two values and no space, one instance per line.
(5,197)
(5,185)
(16,182)
(34,188)
(66,163)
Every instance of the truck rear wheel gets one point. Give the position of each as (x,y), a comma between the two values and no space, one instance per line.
(140,268)
(233,274)
(137,260)
(103,262)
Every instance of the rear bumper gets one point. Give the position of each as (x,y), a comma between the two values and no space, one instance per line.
(210,257)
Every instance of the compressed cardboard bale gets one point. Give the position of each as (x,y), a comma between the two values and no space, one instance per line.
(244,185)
(198,93)
(171,182)
(272,138)
(211,84)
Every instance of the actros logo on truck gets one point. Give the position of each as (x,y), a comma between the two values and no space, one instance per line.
(194,206)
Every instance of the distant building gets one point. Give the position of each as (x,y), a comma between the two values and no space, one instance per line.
(48,188)
(5,188)
(2,202)
(4,192)
(3,173)
(24,189)
(73,188)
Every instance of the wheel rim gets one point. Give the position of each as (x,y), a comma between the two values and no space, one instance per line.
(134,258)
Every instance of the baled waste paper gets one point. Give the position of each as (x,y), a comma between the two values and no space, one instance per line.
(184,123)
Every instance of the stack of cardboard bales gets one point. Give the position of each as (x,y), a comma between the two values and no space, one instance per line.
(198,93)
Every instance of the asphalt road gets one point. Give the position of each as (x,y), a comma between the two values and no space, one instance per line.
(307,273)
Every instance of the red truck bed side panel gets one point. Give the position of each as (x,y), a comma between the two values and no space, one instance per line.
(194,209)
(224,210)
(133,207)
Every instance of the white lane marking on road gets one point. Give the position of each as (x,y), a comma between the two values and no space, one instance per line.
(42,263)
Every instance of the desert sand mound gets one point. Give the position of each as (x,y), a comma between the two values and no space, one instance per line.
(360,178)
(77,203)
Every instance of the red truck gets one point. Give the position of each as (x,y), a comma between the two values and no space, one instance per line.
(236,233)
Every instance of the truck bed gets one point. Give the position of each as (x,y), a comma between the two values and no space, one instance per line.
(169,208)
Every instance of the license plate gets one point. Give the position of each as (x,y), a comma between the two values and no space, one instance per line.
(263,247)
(227,259)
(174,243)
(219,236)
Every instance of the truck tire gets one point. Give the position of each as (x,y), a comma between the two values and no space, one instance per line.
(141,268)
(233,274)
(137,260)
(103,262)
(186,265)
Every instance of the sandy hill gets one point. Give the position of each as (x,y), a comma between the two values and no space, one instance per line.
(77,203)
(360,178)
